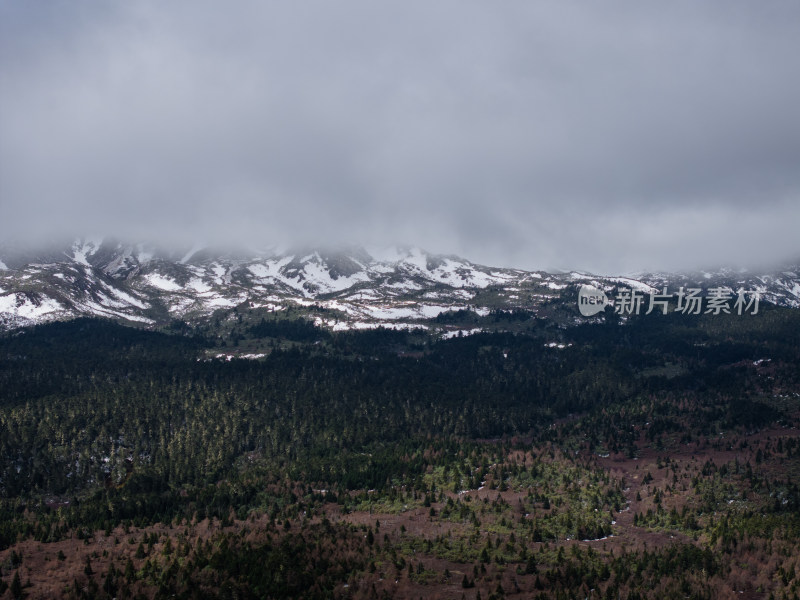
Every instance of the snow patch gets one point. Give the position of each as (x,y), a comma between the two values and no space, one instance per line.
(635,284)
(348,325)
(319,276)
(223,302)
(557,345)
(94,308)
(229,357)
(199,286)
(220,272)
(124,296)
(81,249)
(460,333)
(420,311)
(21,306)
(163,283)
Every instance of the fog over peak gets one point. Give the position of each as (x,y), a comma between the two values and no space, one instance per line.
(609,137)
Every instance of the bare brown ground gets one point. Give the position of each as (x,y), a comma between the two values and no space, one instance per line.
(48,576)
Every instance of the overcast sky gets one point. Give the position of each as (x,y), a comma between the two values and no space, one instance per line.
(609,136)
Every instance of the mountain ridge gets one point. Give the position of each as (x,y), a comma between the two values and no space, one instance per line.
(341,287)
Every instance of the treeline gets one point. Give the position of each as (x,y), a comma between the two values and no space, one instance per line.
(86,403)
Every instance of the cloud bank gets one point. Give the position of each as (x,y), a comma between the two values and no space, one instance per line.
(610,137)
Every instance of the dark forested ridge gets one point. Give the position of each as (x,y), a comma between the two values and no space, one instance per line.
(644,460)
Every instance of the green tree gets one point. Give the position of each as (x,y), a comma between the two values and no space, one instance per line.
(16,586)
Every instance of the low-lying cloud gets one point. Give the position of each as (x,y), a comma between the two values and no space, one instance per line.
(608,137)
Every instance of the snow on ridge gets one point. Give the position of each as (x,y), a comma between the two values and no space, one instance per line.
(312,274)
(318,275)
(315,277)
(634,284)
(124,261)
(3,266)
(417,258)
(450,272)
(81,249)
(269,268)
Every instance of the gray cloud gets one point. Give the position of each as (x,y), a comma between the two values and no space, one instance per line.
(610,137)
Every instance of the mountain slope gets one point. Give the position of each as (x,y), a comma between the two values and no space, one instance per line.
(341,288)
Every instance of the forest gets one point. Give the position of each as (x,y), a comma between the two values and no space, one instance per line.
(652,458)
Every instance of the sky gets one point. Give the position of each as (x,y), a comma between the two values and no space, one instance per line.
(611,137)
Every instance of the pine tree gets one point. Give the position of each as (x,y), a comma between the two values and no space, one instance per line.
(16,586)
(130,572)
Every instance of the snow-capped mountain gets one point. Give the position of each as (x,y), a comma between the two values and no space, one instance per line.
(340,288)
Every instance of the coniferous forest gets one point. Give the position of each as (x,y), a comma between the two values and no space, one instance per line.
(658,458)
